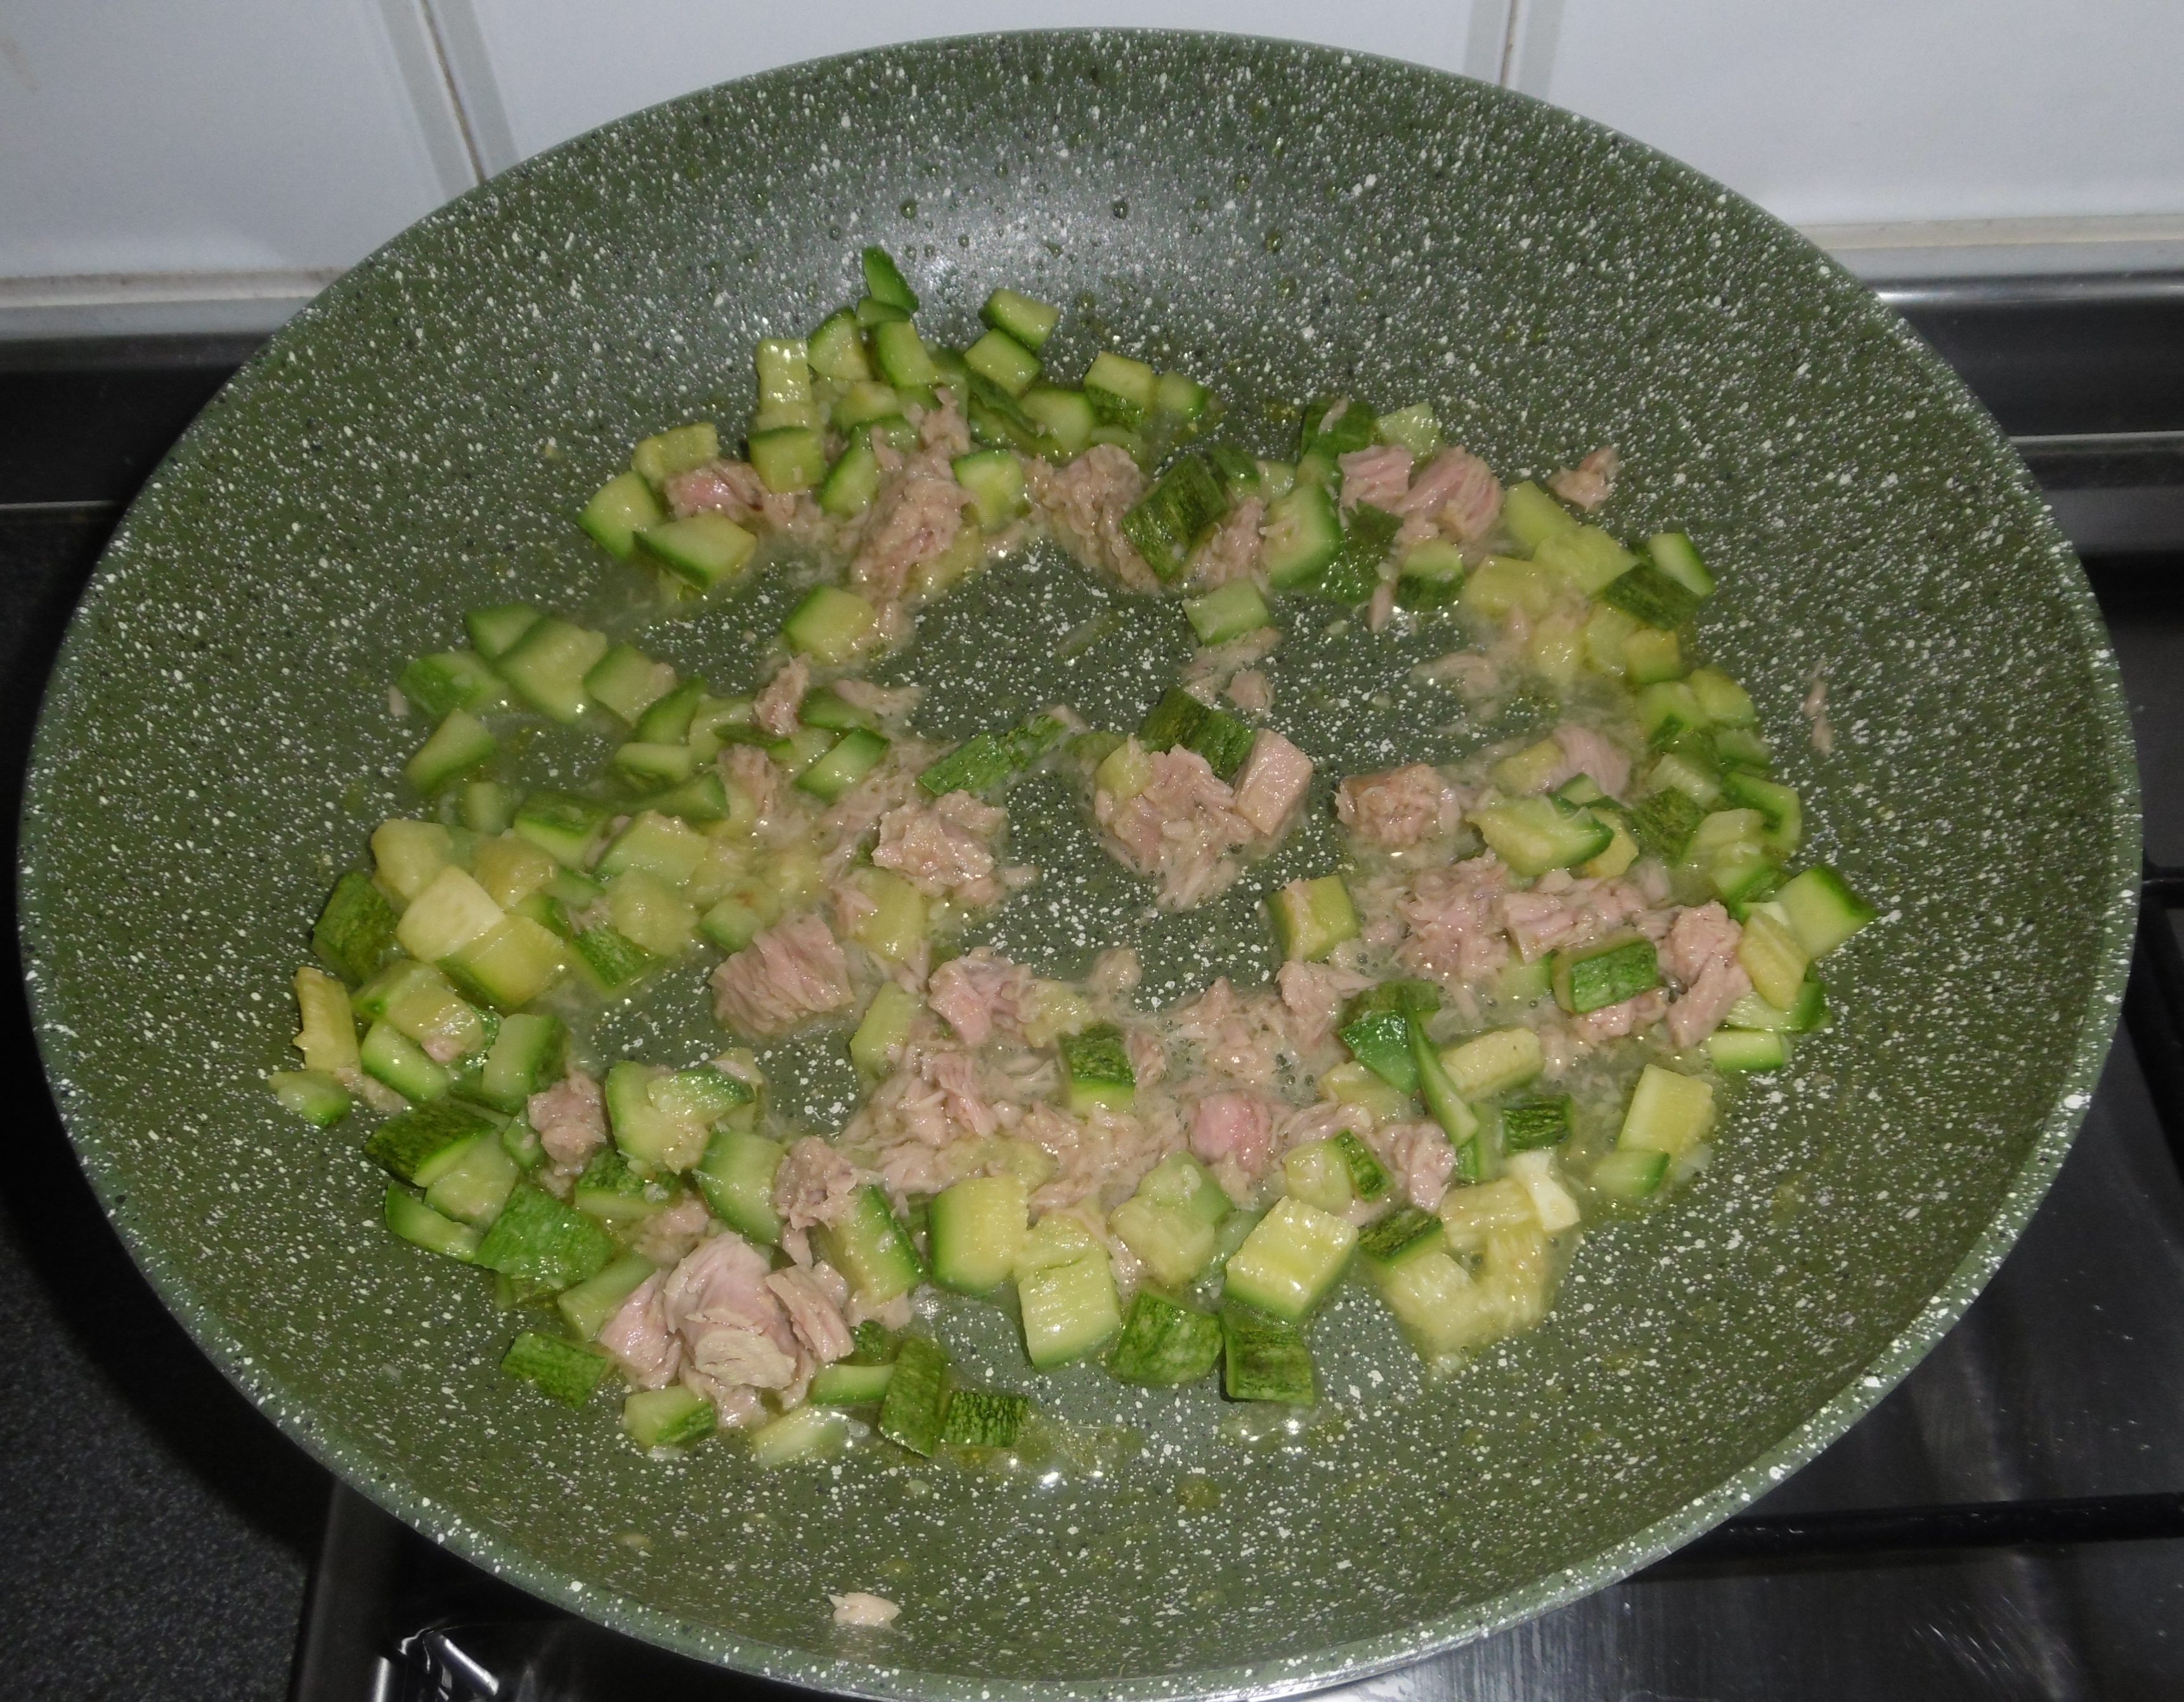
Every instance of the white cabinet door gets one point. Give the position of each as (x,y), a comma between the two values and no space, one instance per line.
(258,137)
(535,72)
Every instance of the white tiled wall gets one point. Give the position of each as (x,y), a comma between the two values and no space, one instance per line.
(212,163)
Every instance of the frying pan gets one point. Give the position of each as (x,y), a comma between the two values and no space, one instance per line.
(1285,220)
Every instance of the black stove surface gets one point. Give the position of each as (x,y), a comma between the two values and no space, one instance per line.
(2009,1522)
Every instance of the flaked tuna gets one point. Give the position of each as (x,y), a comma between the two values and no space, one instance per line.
(775,707)
(1232,549)
(732,1328)
(1380,475)
(1272,784)
(1179,830)
(1399,809)
(1453,914)
(1252,692)
(1587,753)
(915,521)
(814,1314)
(1084,502)
(1591,482)
(981,993)
(945,848)
(1313,994)
(814,1185)
(571,1118)
(1235,1127)
(731,489)
(1422,1160)
(638,1338)
(667,1235)
(789,975)
(1458,492)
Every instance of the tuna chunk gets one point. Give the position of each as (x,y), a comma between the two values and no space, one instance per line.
(1380,475)
(815,1184)
(734,1330)
(1458,491)
(915,521)
(1585,752)
(753,773)
(944,848)
(979,993)
(1422,1160)
(665,1235)
(781,980)
(1591,482)
(1313,993)
(1086,501)
(733,489)
(1238,1127)
(570,1117)
(1231,549)
(1179,830)
(1399,809)
(775,707)
(813,1314)
(1252,692)
(857,1608)
(1700,936)
(1454,914)
(1699,1012)
(1271,783)
(889,703)
(639,1339)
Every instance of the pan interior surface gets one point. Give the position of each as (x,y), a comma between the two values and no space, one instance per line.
(1282,220)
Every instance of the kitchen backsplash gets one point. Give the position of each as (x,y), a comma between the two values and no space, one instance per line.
(209,166)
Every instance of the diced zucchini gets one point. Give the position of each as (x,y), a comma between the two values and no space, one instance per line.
(1531,1124)
(587,1307)
(902,357)
(1673,555)
(830,625)
(872,311)
(1069,1309)
(1532,516)
(1265,1358)
(1743,1050)
(389,1056)
(836,349)
(1001,360)
(1380,1040)
(1164,1344)
(1065,415)
(1664,823)
(310,1094)
(1335,425)
(410,1218)
(326,1032)
(1502,584)
(1404,1234)
(1722,702)
(884,282)
(1355,570)
(354,933)
(1311,917)
(1630,1173)
(1314,1172)
(702,550)
(984,1418)
(487,806)
(1533,835)
(1302,533)
(548,664)
(1493,1063)
(628,681)
(1446,1106)
(1030,322)
(1776,803)
(495,631)
(1172,1222)
(618,511)
(1529,770)
(736,1176)
(851,482)
(788,458)
(872,1249)
(900,919)
(1670,1113)
(676,1416)
(611,960)
(1650,657)
(976,1229)
(449,913)
(419,1146)
(1589,559)
(1166,524)
(784,366)
(473,1188)
(1122,391)
(1433,575)
(1096,1071)
(408,854)
(880,1036)
(1290,1261)
(1181,397)
(1414,427)
(1647,595)
(1594,976)
(996,480)
(1772,956)
(562,826)
(845,1384)
(536,1239)
(915,1409)
(451,680)
(683,449)
(1227,612)
(560,1370)
(1534,1171)
(1822,911)
(805,1432)
(659,845)
(853,757)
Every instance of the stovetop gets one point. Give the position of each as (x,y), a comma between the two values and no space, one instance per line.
(2009,1522)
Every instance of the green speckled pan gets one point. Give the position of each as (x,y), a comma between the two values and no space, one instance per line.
(1283,220)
